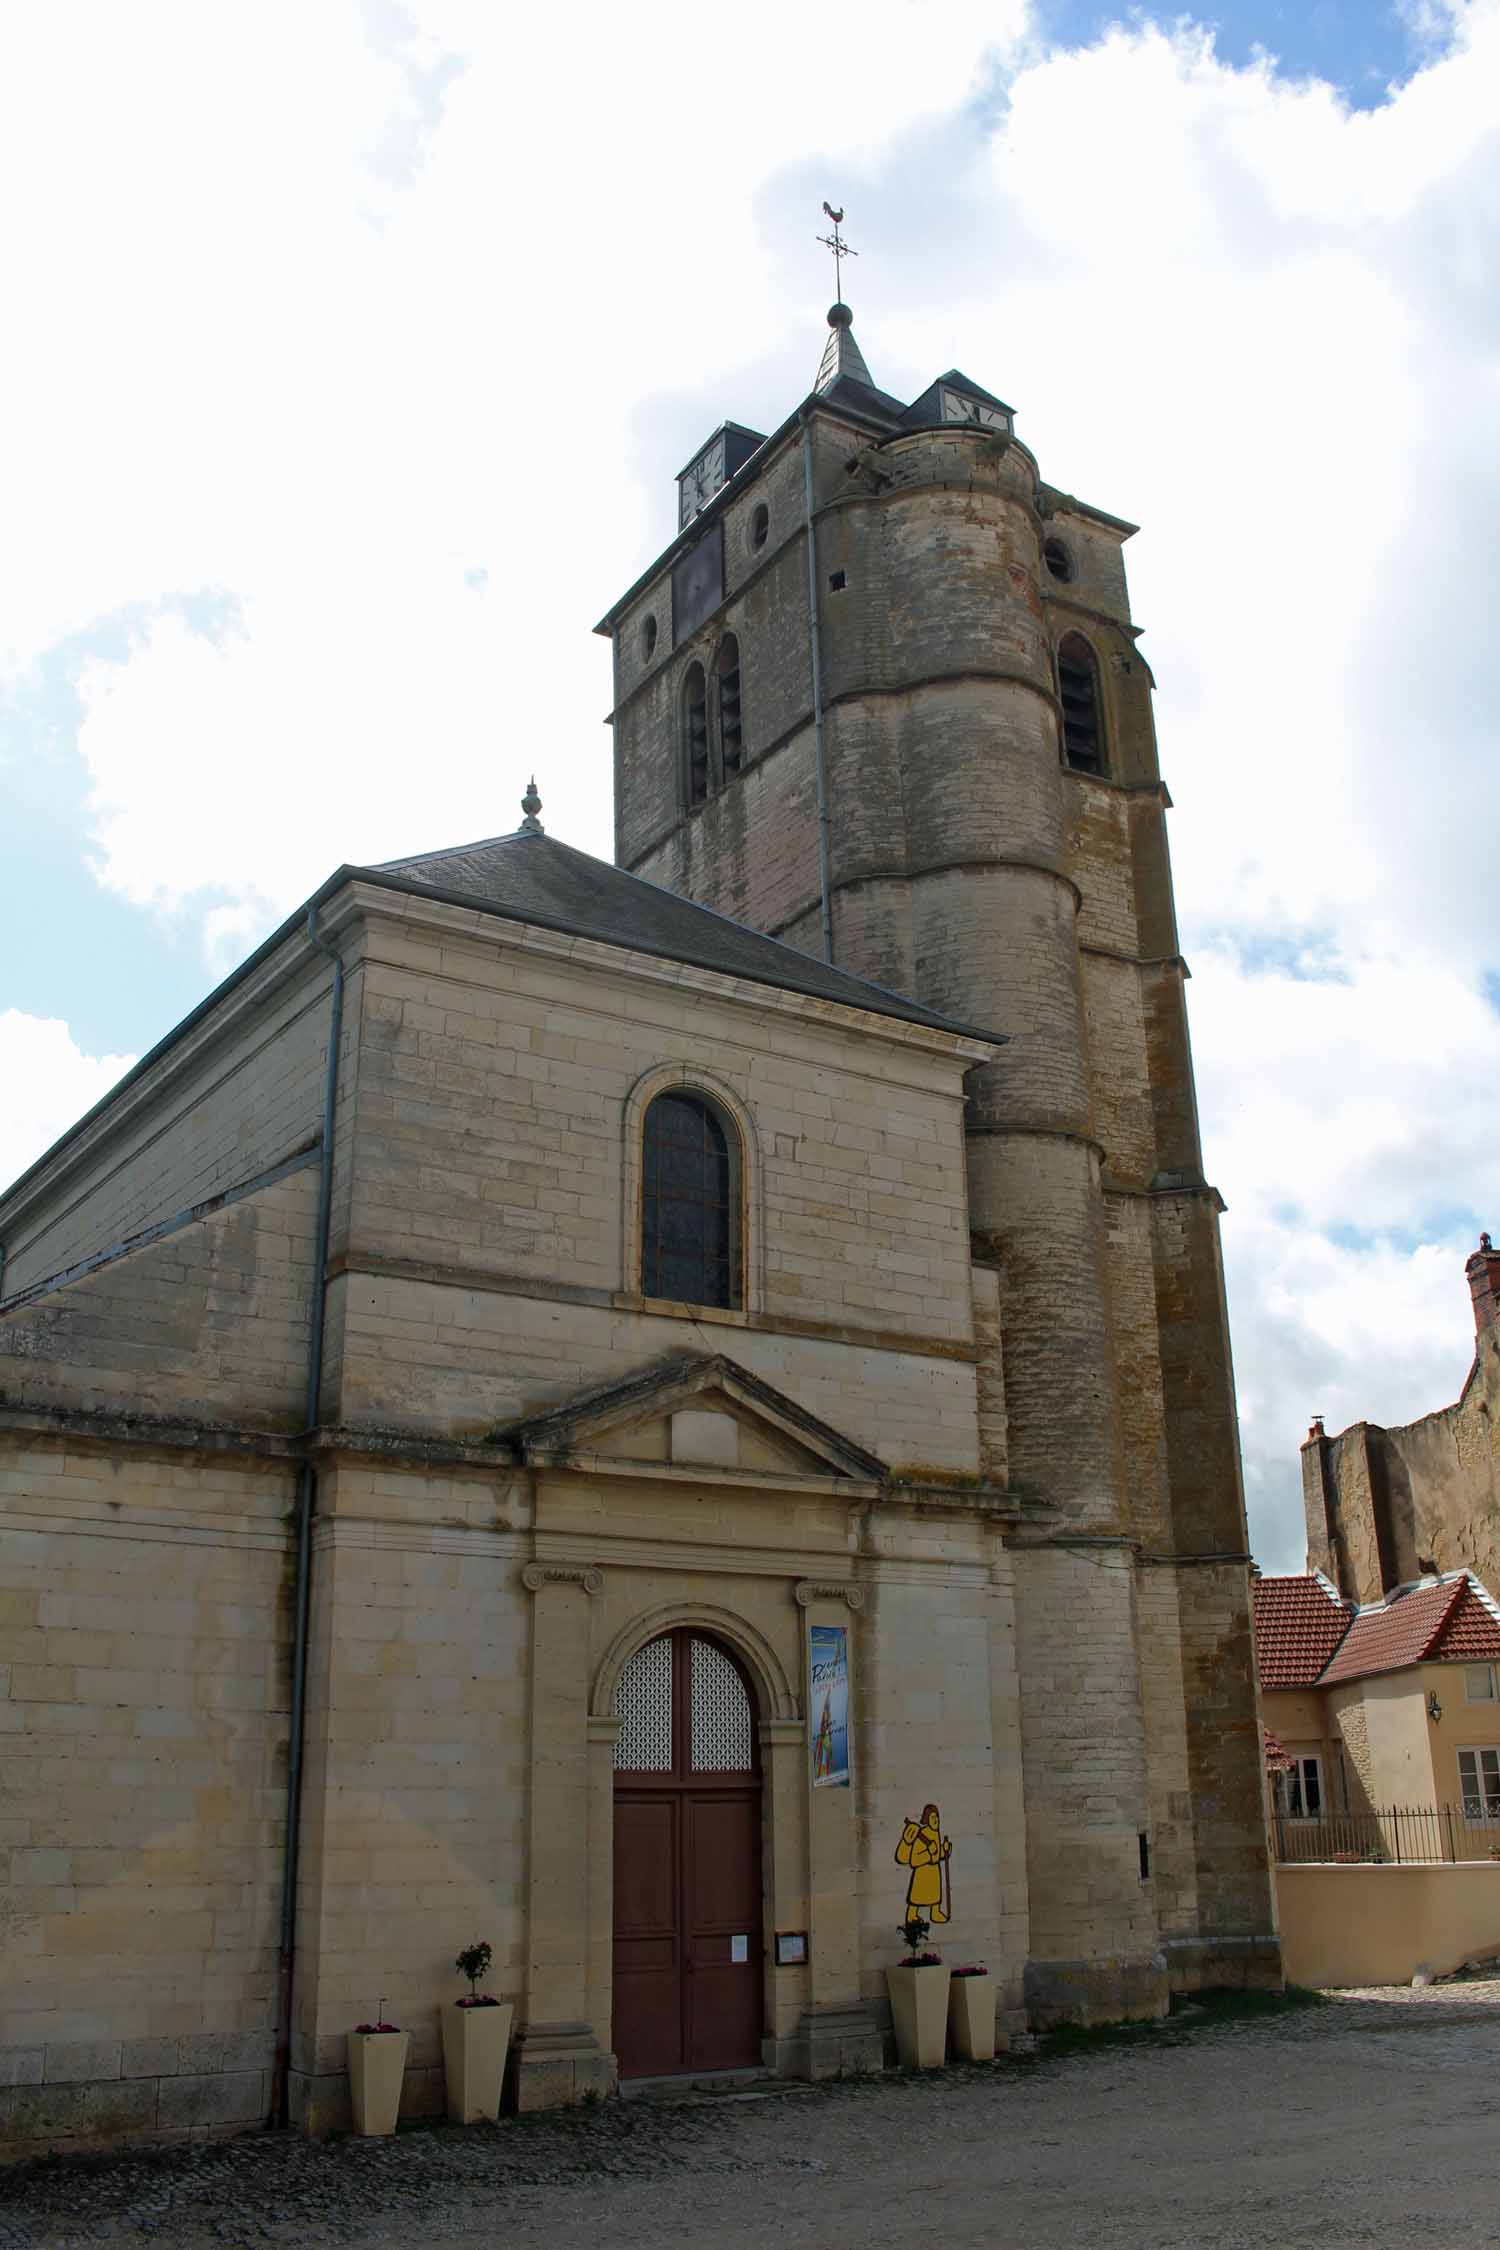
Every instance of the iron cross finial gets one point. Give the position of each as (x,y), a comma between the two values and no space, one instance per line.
(840,248)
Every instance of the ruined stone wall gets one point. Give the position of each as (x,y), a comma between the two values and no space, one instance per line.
(1383,1504)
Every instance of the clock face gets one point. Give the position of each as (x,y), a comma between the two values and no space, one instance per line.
(700,480)
(958,408)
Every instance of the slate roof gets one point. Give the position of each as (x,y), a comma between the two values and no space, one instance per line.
(535,878)
(1298,1625)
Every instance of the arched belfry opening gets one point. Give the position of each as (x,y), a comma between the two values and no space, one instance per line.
(1082,705)
(688,1966)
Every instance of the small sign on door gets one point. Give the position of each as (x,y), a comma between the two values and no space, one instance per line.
(739,1949)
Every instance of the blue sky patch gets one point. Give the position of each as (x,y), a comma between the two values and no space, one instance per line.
(1361,47)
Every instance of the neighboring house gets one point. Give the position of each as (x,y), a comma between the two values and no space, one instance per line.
(1386,1506)
(1393,1704)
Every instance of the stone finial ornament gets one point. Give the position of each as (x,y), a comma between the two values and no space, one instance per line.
(531,805)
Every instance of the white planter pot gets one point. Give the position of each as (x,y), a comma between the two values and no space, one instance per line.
(971,2019)
(377,2066)
(919,2010)
(475,2041)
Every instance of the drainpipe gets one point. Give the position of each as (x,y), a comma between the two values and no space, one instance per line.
(820,767)
(306,1498)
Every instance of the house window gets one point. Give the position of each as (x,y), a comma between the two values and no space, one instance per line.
(689,1248)
(695,733)
(1078,686)
(1479,1784)
(1479,1683)
(731,733)
(1299,1794)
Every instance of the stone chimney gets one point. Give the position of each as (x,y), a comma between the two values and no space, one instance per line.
(1483,1270)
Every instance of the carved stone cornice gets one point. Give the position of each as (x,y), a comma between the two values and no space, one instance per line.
(810,1590)
(536,1575)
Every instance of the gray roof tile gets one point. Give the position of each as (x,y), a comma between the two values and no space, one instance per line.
(534,878)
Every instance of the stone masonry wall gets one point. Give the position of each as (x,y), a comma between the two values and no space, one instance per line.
(416,1781)
(217,1110)
(144,1623)
(211,1320)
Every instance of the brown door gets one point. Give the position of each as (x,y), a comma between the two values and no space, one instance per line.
(688,1970)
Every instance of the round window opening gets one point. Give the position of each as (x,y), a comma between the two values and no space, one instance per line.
(1055,555)
(648,639)
(760,524)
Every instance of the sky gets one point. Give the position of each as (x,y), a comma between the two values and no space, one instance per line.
(354,349)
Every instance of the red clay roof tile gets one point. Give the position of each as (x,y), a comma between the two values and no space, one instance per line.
(1472,1633)
(1298,1625)
(1398,1632)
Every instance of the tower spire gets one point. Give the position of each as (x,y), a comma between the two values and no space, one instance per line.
(841,354)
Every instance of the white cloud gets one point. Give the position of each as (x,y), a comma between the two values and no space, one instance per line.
(1348,1124)
(391,336)
(49,1083)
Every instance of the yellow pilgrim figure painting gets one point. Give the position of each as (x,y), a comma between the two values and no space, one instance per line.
(925,1849)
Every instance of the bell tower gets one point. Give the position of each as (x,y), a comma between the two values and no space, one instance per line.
(881,698)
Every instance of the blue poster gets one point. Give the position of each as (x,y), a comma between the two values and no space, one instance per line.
(829,1706)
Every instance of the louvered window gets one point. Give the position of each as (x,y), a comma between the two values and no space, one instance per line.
(695,733)
(687,1203)
(731,735)
(1078,686)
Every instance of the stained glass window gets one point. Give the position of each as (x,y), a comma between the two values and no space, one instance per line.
(687,1215)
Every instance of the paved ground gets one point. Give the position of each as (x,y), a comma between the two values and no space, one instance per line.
(1372,2119)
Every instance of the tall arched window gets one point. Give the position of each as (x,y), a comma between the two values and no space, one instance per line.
(731,732)
(695,733)
(689,1230)
(1083,716)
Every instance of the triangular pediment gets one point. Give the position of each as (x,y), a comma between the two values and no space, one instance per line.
(701,1414)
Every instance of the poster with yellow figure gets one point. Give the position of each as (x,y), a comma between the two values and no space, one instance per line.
(925,1850)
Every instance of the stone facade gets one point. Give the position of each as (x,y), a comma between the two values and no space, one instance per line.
(971,1399)
(971,864)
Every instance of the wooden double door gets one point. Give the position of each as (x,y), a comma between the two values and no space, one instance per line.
(688,1967)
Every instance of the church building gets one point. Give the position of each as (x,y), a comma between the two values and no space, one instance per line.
(565,1404)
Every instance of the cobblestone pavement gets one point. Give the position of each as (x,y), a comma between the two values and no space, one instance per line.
(1371,2119)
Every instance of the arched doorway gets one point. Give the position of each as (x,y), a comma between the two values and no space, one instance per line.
(688,1979)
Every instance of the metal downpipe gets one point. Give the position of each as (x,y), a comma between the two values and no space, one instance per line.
(306,1498)
(820,766)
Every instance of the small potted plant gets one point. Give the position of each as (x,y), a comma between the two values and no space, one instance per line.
(476,2035)
(377,2066)
(918,1987)
(971,2013)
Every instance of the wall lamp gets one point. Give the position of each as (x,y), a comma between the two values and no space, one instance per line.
(1434,1708)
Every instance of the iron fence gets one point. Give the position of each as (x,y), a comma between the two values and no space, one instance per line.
(1399,1835)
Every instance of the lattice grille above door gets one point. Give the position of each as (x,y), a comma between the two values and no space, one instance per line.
(722,1737)
(643,1703)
